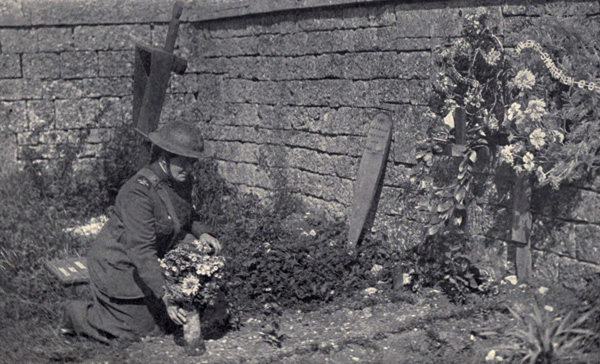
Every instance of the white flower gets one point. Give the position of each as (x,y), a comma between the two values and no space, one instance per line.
(492,57)
(370,290)
(506,154)
(514,112)
(541,176)
(537,138)
(524,80)
(376,269)
(557,136)
(536,109)
(190,285)
(528,162)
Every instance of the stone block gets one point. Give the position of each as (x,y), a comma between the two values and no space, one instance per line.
(42,151)
(448,22)
(368,16)
(113,111)
(16,40)
(409,65)
(89,150)
(53,137)
(567,203)
(52,39)
(413,92)
(13,14)
(238,152)
(410,127)
(28,138)
(41,65)
(115,63)
(493,189)
(396,175)
(554,268)
(10,66)
(344,120)
(62,89)
(40,114)
(489,220)
(78,64)
(242,114)
(85,12)
(413,22)
(8,152)
(188,82)
(106,86)
(74,114)
(491,255)
(514,27)
(244,174)
(587,237)
(173,107)
(387,38)
(13,116)
(20,89)
(329,209)
(97,136)
(111,37)
(320,19)
(404,234)
(554,236)
(322,42)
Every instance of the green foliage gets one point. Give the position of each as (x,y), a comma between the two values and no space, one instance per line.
(276,253)
(543,338)
(520,114)
(38,203)
(446,264)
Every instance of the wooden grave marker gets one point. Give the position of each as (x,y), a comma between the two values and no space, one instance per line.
(521,225)
(70,270)
(521,220)
(370,173)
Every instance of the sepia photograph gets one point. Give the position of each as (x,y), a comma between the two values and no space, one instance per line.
(299,181)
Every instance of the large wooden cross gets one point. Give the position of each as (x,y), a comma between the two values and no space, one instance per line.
(521,220)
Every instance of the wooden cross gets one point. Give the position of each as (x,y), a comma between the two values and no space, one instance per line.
(521,220)
(521,225)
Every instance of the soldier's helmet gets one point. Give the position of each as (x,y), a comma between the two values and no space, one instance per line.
(181,138)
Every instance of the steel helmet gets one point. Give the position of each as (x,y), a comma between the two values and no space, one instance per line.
(181,138)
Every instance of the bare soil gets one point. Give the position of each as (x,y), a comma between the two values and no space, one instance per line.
(403,327)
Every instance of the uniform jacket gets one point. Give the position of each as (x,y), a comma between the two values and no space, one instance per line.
(123,259)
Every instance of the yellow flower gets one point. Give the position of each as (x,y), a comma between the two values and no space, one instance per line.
(537,138)
(524,80)
(536,109)
(506,154)
(190,285)
(514,113)
(528,162)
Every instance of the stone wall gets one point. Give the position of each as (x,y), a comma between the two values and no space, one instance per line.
(285,96)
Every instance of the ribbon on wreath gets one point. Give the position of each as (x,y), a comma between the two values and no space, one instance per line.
(556,72)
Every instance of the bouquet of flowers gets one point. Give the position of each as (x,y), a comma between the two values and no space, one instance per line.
(192,273)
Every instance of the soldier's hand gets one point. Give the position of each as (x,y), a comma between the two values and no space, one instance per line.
(212,241)
(176,313)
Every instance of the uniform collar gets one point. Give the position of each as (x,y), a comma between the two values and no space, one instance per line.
(162,176)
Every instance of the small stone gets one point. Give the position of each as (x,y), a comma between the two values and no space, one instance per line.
(549,308)
(543,290)
(511,279)
(491,355)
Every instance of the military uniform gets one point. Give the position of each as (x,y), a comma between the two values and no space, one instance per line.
(152,212)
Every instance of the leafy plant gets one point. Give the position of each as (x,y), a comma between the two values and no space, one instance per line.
(542,338)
